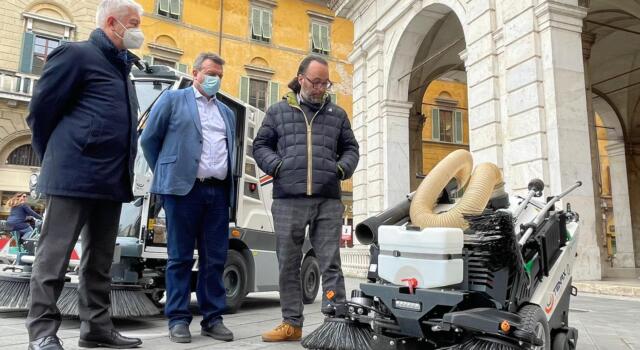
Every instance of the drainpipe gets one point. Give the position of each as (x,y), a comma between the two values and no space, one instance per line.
(220,28)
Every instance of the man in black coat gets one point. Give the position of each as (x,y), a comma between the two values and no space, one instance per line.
(83,118)
(306,144)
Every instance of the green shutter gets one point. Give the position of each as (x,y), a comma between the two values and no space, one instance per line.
(266,24)
(148,59)
(274,92)
(334,98)
(435,125)
(175,7)
(256,24)
(324,37)
(26,58)
(182,67)
(163,5)
(457,127)
(244,89)
(315,37)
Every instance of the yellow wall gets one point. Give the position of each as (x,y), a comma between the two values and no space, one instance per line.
(434,151)
(198,31)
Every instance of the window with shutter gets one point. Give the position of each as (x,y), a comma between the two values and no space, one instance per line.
(320,38)
(170,8)
(261,27)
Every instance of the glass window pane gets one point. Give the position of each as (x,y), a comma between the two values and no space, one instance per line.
(446,126)
(23,155)
(175,7)
(38,49)
(40,41)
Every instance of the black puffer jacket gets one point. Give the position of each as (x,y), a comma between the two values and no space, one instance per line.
(307,156)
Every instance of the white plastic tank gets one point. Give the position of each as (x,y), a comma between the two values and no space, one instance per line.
(433,256)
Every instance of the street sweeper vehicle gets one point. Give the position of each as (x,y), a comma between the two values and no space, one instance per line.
(482,271)
(140,256)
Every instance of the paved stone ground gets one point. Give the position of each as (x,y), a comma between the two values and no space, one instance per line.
(603,323)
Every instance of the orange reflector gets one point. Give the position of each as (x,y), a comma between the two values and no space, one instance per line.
(235,233)
(505,326)
(330,294)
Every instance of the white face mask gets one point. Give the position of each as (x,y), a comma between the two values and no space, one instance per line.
(132,37)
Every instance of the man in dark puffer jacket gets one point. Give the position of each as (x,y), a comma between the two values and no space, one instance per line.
(307,145)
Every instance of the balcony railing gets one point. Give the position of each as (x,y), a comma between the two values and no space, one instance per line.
(17,85)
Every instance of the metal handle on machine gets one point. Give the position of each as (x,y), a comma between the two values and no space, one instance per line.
(538,219)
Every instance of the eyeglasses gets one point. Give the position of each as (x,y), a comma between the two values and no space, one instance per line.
(319,84)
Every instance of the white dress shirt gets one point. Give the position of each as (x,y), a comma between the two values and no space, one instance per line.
(213,161)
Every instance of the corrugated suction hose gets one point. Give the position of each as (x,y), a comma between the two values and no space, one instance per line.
(457,164)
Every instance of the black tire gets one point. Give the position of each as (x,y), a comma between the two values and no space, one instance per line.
(235,279)
(560,341)
(534,321)
(310,275)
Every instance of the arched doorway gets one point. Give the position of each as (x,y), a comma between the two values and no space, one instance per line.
(612,42)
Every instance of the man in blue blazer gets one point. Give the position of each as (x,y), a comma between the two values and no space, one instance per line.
(189,143)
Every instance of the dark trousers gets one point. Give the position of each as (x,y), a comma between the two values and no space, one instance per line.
(291,217)
(200,216)
(65,219)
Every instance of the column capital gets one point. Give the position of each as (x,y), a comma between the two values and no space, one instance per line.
(615,149)
(395,108)
(555,14)
(587,42)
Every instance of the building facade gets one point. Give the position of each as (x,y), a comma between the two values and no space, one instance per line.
(537,73)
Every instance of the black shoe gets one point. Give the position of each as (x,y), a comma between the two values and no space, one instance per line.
(46,343)
(179,333)
(113,340)
(217,331)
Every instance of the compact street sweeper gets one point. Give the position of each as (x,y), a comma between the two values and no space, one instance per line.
(141,253)
(481,271)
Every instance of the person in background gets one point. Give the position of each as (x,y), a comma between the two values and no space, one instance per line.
(20,211)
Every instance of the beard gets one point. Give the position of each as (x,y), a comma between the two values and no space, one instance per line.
(309,97)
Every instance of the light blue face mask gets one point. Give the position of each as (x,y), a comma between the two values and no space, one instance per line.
(210,85)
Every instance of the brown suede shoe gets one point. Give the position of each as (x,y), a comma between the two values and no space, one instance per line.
(284,332)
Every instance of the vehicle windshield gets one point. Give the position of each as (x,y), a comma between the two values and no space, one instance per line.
(148,90)
(129,225)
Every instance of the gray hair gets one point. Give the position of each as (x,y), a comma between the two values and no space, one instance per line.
(197,65)
(115,8)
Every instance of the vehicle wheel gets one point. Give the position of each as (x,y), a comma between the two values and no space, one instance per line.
(560,341)
(534,321)
(310,274)
(235,279)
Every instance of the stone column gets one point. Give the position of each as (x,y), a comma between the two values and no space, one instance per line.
(624,256)
(481,63)
(567,127)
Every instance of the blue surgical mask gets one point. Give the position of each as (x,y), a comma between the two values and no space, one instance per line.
(210,85)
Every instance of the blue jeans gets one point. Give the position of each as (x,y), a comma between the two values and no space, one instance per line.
(26,232)
(201,216)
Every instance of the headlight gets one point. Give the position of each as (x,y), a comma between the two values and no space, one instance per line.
(33,179)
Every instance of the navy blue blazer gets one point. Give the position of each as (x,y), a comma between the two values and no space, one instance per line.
(172,142)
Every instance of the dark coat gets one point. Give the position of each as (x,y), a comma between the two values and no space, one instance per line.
(83,118)
(306,155)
